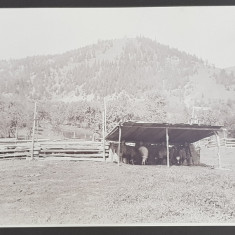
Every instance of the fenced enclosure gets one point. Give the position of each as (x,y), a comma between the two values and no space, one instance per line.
(224,142)
(209,149)
(67,149)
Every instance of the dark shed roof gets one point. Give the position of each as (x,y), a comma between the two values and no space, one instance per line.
(156,132)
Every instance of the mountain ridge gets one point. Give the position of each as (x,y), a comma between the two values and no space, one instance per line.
(92,68)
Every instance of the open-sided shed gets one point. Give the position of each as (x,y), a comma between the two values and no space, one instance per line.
(161,132)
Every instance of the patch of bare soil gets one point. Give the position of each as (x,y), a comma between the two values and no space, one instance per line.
(65,192)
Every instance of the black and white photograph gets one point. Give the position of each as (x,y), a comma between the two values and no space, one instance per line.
(117,116)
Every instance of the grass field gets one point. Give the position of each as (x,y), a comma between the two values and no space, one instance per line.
(209,156)
(65,192)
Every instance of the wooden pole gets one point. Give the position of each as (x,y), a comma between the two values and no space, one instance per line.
(16,133)
(37,131)
(218,149)
(167,148)
(192,118)
(105,130)
(119,144)
(225,137)
(103,136)
(34,120)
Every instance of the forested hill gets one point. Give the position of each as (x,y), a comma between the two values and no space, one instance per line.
(140,78)
(134,65)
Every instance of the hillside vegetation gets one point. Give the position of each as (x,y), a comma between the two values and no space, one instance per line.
(140,78)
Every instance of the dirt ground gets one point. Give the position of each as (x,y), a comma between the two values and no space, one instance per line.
(44,192)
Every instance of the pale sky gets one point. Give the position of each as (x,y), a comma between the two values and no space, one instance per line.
(208,32)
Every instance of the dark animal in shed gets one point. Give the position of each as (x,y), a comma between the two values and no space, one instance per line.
(174,156)
(129,154)
(152,155)
(162,154)
(183,156)
(132,155)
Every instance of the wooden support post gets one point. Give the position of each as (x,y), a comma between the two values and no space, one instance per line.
(16,133)
(167,148)
(218,149)
(119,144)
(34,120)
(37,131)
(105,129)
(225,137)
(103,135)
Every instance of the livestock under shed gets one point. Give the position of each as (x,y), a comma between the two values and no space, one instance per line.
(157,133)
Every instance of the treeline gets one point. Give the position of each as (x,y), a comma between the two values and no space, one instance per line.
(17,113)
(220,112)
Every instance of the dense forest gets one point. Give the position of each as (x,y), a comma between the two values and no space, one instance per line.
(139,78)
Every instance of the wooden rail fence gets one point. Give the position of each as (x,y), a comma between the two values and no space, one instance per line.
(225,142)
(58,149)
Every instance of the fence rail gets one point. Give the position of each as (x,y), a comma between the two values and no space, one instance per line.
(225,142)
(67,149)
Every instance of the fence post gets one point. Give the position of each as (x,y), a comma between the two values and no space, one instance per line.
(34,120)
(225,137)
(218,148)
(119,143)
(167,148)
(103,118)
